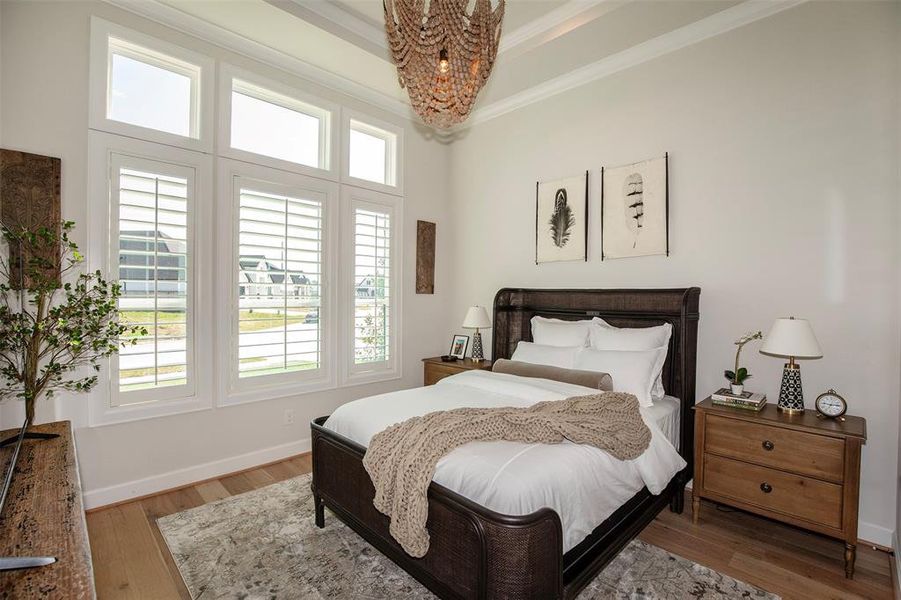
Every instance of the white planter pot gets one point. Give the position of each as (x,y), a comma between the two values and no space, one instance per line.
(737,389)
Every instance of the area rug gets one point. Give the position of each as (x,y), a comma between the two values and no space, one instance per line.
(264,544)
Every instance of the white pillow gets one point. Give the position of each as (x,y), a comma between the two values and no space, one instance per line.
(604,336)
(633,371)
(540,354)
(557,332)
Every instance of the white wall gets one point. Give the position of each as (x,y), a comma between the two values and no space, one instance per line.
(784,195)
(45,110)
(784,150)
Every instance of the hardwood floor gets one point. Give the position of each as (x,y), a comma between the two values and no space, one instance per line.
(131,559)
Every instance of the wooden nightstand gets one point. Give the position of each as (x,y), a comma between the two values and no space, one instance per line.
(434,369)
(798,469)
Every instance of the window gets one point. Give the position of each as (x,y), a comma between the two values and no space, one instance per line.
(270,124)
(279,282)
(150,206)
(149,89)
(152,90)
(373,220)
(372,153)
(372,286)
(303,291)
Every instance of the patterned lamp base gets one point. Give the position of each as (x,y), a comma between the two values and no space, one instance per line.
(791,396)
(477,346)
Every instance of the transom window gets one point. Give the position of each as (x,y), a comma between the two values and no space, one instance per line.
(278,126)
(372,153)
(151,89)
(279,281)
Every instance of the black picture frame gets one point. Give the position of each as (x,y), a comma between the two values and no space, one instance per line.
(666,204)
(586,216)
(454,340)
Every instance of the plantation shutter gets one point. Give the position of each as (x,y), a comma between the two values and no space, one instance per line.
(372,286)
(279,283)
(153,243)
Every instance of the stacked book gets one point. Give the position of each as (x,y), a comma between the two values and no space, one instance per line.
(746,400)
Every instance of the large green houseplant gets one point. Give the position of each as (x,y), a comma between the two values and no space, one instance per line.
(57,323)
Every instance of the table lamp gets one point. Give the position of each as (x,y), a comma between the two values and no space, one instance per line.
(477,318)
(791,338)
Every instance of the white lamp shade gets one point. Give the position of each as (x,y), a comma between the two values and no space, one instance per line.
(476,318)
(791,337)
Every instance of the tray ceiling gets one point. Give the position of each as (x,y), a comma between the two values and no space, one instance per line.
(547,46)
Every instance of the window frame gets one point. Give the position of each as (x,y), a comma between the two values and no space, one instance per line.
(394,161)
(282,95)
(201,136)
(234,389)
(352,374)
(214,225)
(106,151)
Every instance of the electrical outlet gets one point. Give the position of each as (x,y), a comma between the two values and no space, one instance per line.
(289,416)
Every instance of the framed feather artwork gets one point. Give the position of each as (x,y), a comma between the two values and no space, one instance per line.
(561,219)
(635,209)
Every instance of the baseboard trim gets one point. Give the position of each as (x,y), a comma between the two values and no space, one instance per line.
(896,547)
(180,478)
(874,535)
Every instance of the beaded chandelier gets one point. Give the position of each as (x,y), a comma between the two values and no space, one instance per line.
(443,55)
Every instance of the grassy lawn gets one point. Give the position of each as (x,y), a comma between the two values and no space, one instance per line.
(291,367)
(172,323)
(256,320)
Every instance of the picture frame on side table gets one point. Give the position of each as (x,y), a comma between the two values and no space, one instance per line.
(458,346)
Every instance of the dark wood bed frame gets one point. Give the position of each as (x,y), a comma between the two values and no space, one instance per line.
(475,552)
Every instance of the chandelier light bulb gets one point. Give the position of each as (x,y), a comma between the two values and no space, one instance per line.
(443,63)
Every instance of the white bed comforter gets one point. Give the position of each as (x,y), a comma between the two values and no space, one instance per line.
(583,484)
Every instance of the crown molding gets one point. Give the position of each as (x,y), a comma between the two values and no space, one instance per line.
(340,21)
(563,19)
(344,22)
(179,20)
(726,20)
(737,16)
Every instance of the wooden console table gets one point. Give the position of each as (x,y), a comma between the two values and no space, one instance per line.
(44,516)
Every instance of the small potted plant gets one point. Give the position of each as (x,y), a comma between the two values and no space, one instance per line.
(740,374)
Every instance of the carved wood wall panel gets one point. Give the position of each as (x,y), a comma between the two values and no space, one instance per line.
(29,197)
(425,257)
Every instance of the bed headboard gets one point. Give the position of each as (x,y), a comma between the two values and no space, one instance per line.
(514,309)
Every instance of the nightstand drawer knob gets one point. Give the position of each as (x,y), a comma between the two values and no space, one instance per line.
(768,445)
(766,488)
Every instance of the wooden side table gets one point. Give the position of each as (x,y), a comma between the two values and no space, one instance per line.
(44,516)
(799,469)
(435,369)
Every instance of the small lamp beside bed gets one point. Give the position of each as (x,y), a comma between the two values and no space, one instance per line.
(477,318)
(791,338)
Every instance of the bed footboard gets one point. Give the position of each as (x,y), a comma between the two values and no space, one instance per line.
(473,552)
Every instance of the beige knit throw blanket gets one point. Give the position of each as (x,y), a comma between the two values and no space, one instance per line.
(401,459)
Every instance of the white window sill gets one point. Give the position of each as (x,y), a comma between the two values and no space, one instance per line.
(113,415)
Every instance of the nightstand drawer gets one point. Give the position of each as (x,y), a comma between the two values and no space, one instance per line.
(793,495)
(804,453)
(435,372)
(435,369)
